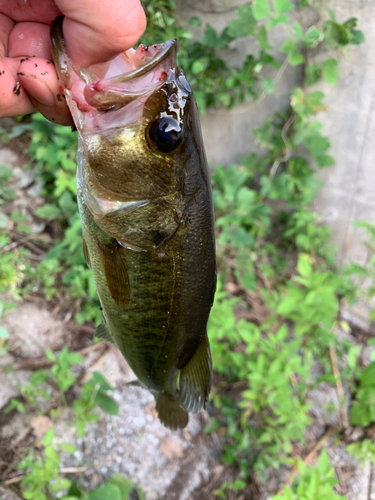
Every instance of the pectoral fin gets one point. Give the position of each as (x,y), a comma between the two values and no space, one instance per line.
(115,272)
(170,413)
(86,253)
(195,379)
(103,333)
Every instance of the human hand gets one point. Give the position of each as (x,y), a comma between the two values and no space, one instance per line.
(95,31)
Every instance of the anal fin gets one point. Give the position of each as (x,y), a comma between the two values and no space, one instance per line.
(169,411)
(195,379)
(103,333)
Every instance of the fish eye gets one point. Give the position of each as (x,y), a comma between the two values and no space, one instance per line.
(164,135)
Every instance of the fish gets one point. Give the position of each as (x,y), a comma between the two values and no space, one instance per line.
(145,201)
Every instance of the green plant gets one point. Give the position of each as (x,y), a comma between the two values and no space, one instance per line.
(94,393)
(61,368)
(43,479)
(363,451)
(313,483)
(277,307)
(362,411)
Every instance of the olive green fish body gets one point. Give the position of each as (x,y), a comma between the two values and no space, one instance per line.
(146,207)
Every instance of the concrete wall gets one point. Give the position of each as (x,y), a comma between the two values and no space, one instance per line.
(348,191)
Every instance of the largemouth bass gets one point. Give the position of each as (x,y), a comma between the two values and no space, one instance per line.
(145,201)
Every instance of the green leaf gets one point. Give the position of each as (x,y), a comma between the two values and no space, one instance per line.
(69,448)
(357,37)
(261,9)
(74,490)
(332,14)
(368,376)
(50,355)
(3,333)
(75,358)
(304,267)
(106,492)
(262,38)
(268,85)
(195,22)
(48,436)
(283,6)
(245,23)
(102,381)
(283,19)
(324,161)
(313,37)
(107,403)
(298,30)
(330,72)
(198,66)
(128,490)
(48,212)
(313,74)
(290,48)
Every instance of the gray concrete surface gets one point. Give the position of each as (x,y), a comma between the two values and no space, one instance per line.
(348,188)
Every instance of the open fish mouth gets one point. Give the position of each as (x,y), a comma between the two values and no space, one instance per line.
(132,75)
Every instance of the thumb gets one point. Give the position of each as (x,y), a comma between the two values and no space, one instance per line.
(97,30)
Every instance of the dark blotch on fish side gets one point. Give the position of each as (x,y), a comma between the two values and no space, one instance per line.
(58,97)
(21,74)
(25,59)
(35,64)
(158,237)
(16,88)
(45,73)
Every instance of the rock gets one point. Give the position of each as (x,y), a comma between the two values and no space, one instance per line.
(6,494)
(40,425)
(33,329)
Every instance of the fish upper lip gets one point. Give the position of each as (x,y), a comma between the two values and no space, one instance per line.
(167,50)
(134,76)
(64,66)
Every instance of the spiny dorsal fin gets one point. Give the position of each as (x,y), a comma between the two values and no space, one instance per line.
(103,333)
(195,379)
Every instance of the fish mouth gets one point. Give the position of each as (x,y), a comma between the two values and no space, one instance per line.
(132,75)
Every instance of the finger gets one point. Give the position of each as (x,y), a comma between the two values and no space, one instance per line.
(98,30)
(32,39)
(6,26)
(38,78)
(14,100)
(40,11)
